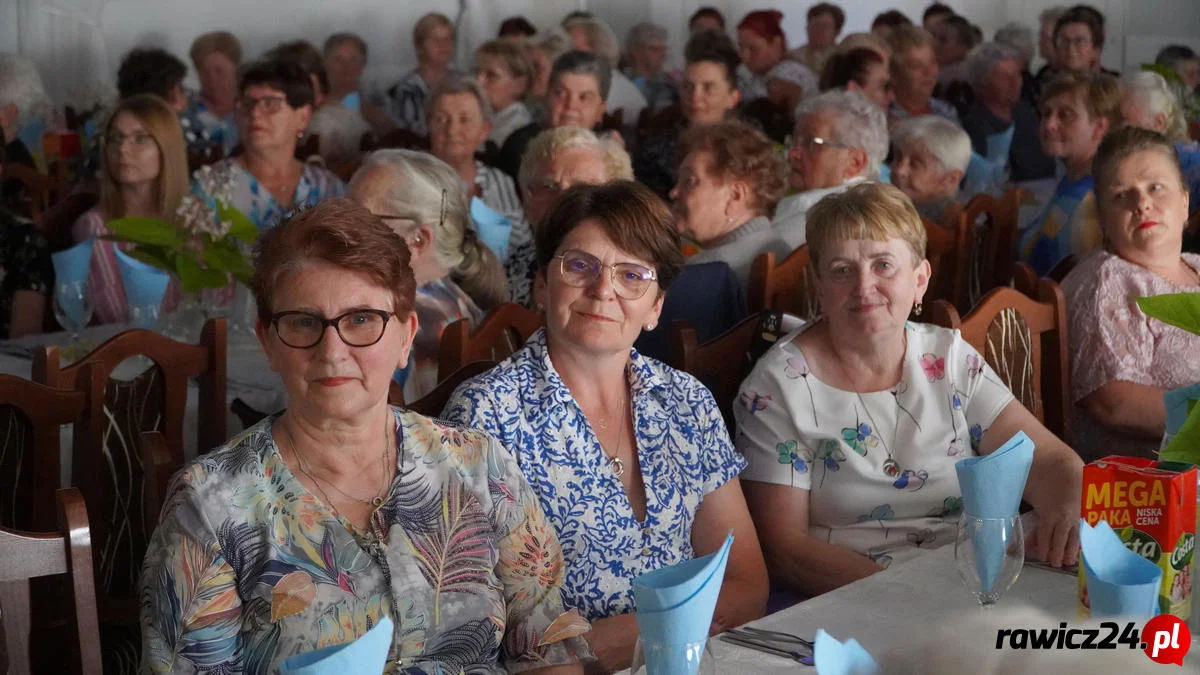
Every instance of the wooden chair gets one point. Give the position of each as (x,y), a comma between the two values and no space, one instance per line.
(948,250)
(42,191)
(431,404)
(501,333)
(56,222)
(1025,279)
(106,464)
(30,417)
(1024,339)
(788,287)
(159,464)
(1063,268)
(993,223)
(723,362)
(25,556)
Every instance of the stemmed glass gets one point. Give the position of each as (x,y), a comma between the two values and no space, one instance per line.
(650,658)
(73,307)
(989,553)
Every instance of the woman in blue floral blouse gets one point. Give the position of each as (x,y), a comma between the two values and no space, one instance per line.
(312,526)
(630,458)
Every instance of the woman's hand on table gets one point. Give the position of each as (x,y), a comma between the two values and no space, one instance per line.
(1055,537)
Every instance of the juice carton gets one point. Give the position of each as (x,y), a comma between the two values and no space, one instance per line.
(1152,506)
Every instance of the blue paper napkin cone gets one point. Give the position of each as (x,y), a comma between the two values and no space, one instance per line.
(493,227)
(144,284)
(367,654)
(675,607)
(72,265)
(832,657)
(1119,581)
(991,487)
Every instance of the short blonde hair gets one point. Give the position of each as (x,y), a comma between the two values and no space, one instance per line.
(221,41)
(904,39)
(871,211)
(515,56)
(1100,93)
(561,139)
(425,25)
(864,41)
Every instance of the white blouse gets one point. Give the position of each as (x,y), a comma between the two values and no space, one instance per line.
(796,430)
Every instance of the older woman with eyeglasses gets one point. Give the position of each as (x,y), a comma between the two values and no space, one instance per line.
(629,458)
(315,524)
(275,103)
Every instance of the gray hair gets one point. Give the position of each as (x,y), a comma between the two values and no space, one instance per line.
(984,58)
(552,142)
(20,85)
(339,131)
(645,33)
(1156,97)
(427,191)
(858,122)
(602,39)
(459,85)
(1020,37)
(576,62)
(945,140)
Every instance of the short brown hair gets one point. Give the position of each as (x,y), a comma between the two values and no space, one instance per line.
(1086,15)
(220,41)
(741,152)
(1120,145)
(338,232)
(631,215)
(1101,93)
(305,55)
(903,39)
(871,211)
(514,54)
(425,25)
(839,17)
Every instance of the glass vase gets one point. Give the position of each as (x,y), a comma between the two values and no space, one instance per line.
(185,323)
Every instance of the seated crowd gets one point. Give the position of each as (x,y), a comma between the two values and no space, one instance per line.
(587,182)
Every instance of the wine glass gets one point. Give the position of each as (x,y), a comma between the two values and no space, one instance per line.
(989,553)
(144,316)
(73,307)
(654,658)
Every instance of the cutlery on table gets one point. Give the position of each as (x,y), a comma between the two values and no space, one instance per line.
(743,640)
(1072,570)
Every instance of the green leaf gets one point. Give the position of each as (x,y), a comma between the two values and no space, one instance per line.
(243,228)
(153,255)
(193,277)
(1181,310)
(146,231)
(1185,446)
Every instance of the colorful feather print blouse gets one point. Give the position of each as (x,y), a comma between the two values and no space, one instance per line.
(248,568)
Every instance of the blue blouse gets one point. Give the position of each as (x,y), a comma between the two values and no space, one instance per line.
(682,446)
(259,205)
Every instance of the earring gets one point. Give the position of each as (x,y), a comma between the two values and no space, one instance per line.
(540,308)
(917,309)
(651,326)
(299,134)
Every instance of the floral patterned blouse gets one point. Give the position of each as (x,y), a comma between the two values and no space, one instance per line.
(254,200)
(796,430)
(248,568)
(24,263)
(682,446)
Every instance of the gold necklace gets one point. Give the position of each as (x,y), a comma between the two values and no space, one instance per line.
(614,461)
(890,466)
(376,501)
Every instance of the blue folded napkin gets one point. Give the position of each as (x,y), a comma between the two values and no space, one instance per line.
(1119,581)
(73,264)
(352,101)
(998,146)
(492,226)
(982,174)
(674,610)
(832,657)
(367,654)
(991,487)
(144,284)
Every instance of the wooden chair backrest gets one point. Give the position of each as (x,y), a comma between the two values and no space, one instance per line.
(43,191)
(25,556)
(159,464)
(1023,339)
(56,222)
(948,250)
(501,333)
(30,417)
(789,286)
(431,404)
(994,225)
(721,363)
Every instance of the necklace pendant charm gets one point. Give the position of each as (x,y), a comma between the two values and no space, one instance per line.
(891,468)
(377,502)
(617,466)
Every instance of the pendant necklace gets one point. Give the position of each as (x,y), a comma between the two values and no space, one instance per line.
(890,466)
(614,461)
(375,502)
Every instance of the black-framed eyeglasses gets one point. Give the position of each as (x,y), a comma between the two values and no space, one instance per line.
(629,280)
(357,328)
(270,104)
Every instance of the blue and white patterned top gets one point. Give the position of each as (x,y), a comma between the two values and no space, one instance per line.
(254,200)
(682,446)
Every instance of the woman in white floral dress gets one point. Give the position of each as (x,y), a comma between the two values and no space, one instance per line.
(852,425)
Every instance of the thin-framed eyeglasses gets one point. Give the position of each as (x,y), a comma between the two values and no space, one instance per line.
(807,143)
(629,280)
(115,139)
(1073,43)
(270,104)
(356,328)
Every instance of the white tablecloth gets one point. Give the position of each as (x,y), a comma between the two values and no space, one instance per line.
(884,609)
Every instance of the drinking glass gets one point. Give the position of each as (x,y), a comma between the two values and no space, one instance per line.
(144,316)
(73,307)
(989,547)
(652,658)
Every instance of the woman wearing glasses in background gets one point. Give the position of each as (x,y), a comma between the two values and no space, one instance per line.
(629,458)
(266,181)
(315,524)
(144,174)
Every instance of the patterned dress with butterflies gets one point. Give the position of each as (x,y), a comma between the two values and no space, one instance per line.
(796,430)
(247,567)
